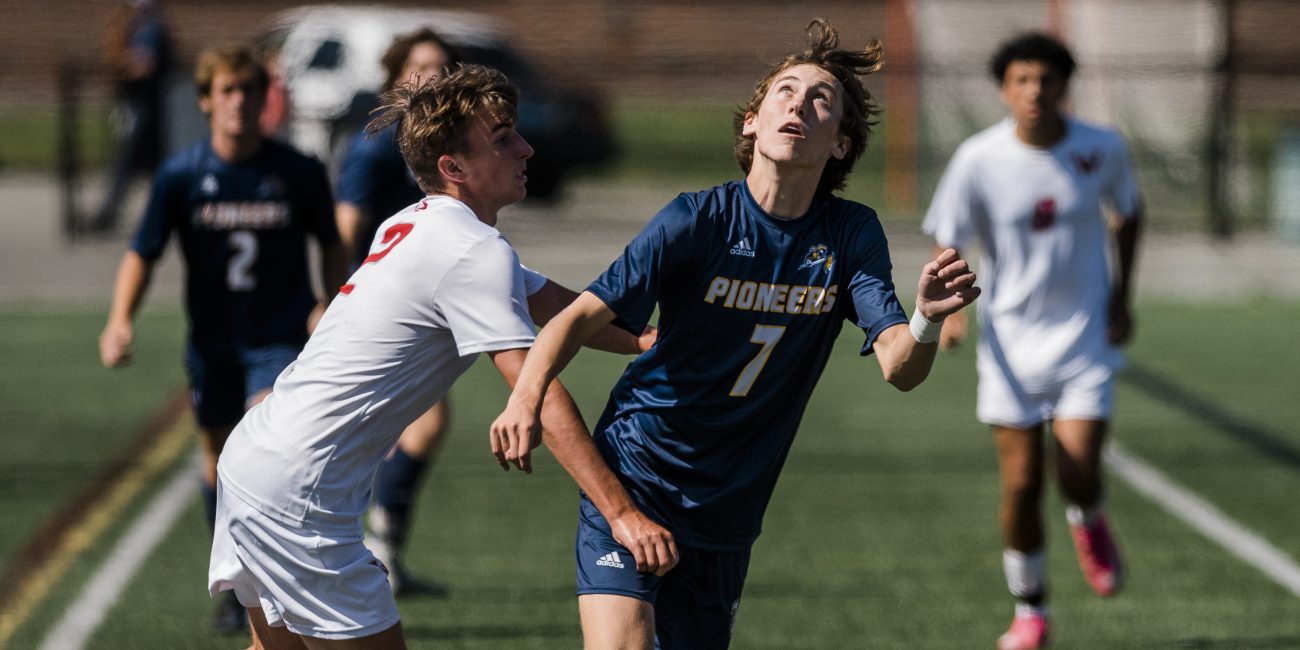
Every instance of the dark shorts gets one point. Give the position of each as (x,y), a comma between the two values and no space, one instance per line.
(695,604)
(222,383)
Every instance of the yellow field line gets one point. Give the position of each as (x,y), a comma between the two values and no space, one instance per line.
(82,535)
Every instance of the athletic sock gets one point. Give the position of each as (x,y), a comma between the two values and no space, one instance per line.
(209,503)
(1027,579)
(1080,516)
(399,477)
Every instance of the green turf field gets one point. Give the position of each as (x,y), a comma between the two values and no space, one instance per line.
(881,533)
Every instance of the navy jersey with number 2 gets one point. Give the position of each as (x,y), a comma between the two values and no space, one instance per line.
(243,230)
(750,306)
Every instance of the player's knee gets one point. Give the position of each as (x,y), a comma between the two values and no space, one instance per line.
(612,622)
(1023,490)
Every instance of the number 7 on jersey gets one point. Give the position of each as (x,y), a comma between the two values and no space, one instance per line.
(767,336)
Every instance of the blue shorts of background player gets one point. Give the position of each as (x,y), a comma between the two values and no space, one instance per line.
(695,604)
(223,383)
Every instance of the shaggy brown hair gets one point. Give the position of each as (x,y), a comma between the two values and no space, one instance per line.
(433,116)
(395,58)
(859,107)
(230,59)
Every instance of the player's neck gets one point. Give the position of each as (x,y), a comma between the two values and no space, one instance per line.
(1044,133)
(783,192)
(234,148)
(485,213)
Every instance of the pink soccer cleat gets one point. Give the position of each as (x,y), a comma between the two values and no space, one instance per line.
(1098,555)
(1028,631)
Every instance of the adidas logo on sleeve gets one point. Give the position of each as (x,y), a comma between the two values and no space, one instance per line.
(611,560)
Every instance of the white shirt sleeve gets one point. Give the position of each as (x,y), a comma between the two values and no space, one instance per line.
(1121,187)
(952,216)
(483,302)
(533,281)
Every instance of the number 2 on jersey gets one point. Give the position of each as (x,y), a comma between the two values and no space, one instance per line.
(767,336)
(239,272)
(392,237)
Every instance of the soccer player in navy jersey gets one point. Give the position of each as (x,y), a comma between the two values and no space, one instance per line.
(753,280)
(243,208)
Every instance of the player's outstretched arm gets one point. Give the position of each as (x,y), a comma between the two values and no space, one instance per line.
(1127,233)
(906,353)
(554,348)
(133,275)
(566,436)
(553,297)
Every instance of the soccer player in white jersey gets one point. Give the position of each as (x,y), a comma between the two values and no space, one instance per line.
(1031,189)
(439,286)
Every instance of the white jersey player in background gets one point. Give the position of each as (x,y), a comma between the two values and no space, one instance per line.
(1031,189)
(439,286)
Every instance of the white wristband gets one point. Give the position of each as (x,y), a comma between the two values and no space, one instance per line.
(923,330)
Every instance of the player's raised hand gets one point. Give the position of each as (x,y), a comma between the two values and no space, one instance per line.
(115,344)
(947,284)
(513,436)
(651,545)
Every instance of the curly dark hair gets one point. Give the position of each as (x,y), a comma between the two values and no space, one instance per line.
(859,108)
(431,117)
(394,58)
(1033,46)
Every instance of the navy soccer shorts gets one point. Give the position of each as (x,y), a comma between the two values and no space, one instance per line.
(221,383)
(695,604)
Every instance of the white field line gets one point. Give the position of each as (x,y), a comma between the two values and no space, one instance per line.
(104,588)
(1205,518)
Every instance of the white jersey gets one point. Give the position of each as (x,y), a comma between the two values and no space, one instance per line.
(1044,272)
(438,288)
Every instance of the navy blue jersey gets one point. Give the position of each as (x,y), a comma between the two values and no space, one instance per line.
(375,178)
(750,306)
(243,233)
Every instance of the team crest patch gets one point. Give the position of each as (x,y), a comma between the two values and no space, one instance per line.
(818,254)
(208,185)
(1087,164)
(1044,215)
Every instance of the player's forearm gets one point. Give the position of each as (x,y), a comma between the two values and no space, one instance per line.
(348,218)
(567,439)
(553,298)
(555,347)
(611,338)
(1126,241)
(904,361)
(334,269)
(129,286)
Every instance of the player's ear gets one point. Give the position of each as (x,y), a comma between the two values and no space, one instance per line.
(451,169)
(205,104)
(841,148)
(748,128)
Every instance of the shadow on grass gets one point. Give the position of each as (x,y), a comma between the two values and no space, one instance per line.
(1261,643)
(491,631)
(1268,443)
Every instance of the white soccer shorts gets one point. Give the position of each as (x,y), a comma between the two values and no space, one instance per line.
(324,586)
(1089,395)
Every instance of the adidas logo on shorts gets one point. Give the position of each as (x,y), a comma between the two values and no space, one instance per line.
(611,560)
